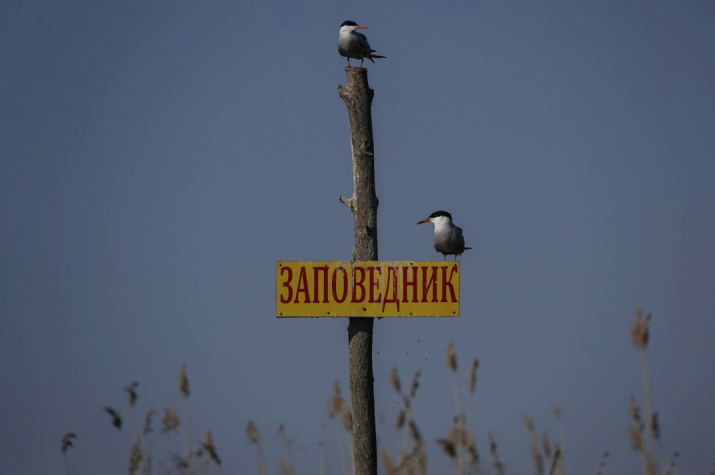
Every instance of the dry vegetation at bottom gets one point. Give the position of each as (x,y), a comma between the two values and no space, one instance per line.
(459,445)
(179,455)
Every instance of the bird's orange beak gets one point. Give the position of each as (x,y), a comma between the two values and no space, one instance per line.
(360,26)
(424,221)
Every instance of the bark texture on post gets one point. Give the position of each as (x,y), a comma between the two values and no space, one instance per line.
(357,96)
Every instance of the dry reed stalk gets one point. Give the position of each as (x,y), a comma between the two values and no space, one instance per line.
(655,426)
(170,422)
(179,462)
(460,444)
(473,376)
(146,465)
(323,453)
(496,463)
(395,380)
(602,463)
(559,437)
(67,443)
(671,465)
(412,459)
(636,440)
(452,364)
(534,446)
(472,384)
(286,467)
(469,446)
(546,445)
(337,406)
(208,446)
(451,356)
(147,421)
(555,453)
(286,464)
(131,391)
(400,421)
(116,419)
(403,415)
(183,382)
(117,422)
(420,448)
(556,462)
(640,336)
(184,391)
(449,444)
(635,429)
(387,462)
(414,384)
(254,437)
(135,458)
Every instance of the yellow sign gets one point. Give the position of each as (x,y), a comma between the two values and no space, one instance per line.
(367,289)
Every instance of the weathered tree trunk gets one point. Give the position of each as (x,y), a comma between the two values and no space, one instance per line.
(357,96)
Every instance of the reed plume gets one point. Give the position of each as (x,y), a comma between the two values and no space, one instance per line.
(147,421)
(640,336)
(254,438)
(496,462)
(413,457)
(671,465)
(131,391)
(135,458)
(67,443)
(337,406)
(534,446)
(208,446)
(602,463)
(170,422)
(460,443)
(116,419)
(184,391)
(285,462)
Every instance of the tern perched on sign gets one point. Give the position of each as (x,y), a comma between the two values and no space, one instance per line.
(448,238)
(352,44)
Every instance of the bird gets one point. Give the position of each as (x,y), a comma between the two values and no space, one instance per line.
(352,44)
(448,238)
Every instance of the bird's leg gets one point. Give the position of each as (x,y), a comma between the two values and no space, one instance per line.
(348,66)
(363,59)
(445,257)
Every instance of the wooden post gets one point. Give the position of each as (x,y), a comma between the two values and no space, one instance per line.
(357,96)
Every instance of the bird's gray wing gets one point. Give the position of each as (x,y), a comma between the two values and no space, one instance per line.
(460,236)
(363,43)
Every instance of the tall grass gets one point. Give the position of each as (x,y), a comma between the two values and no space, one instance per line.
(184,459)
(459,444)
(650,428)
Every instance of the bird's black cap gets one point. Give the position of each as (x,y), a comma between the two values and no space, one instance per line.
(348,23)
(441,213)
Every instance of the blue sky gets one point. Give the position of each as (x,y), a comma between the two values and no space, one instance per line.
(158,157)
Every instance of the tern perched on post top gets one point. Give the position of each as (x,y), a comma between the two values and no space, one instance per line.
(352,44)
(448,238)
